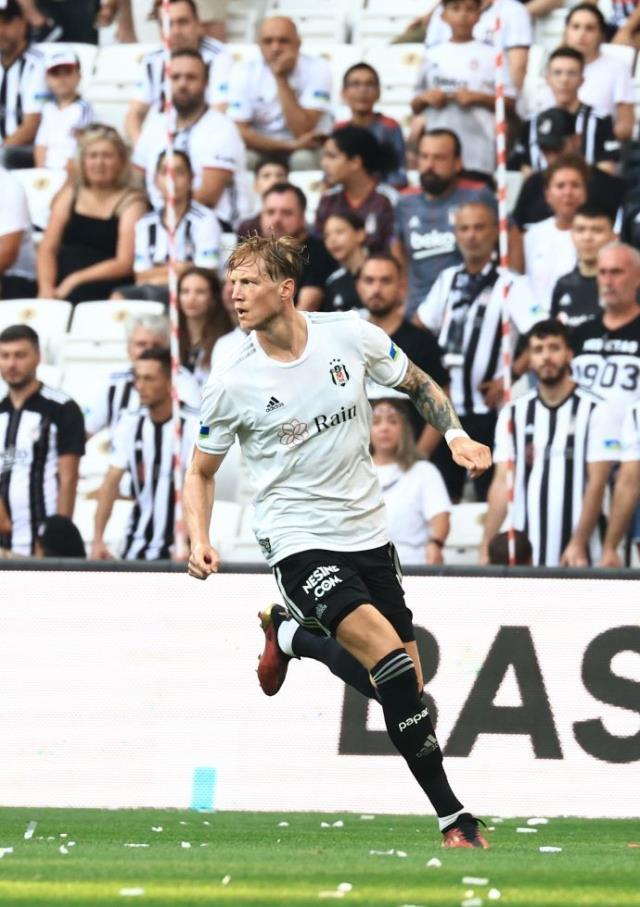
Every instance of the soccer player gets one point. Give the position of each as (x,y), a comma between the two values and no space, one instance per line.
(294,396)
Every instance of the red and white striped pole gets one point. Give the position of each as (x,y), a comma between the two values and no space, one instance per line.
(501,179)
(179,539)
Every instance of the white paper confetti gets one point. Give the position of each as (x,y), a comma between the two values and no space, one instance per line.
(434,863)
(283,825)
(131,892)
(137,845)
(225,880)
(400,853)
(550,849)
(345,886)
(367,818)
(325,825)
(185,844)
(157,828)
(63,849)
(206,823)
(382,853)
(537,820)
(182,822)
(5,850)
(31,827)
(474,880)
(496,820)
(494,894)
(64,834)
(71,843)
(469,893)
(526,831)
(51,838)
(338,824)
(471,902)
(204,845)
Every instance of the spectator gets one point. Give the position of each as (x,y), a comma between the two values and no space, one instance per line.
(424,237)
(517,34)
(118,394)
(627,491)
(283,214)
(564,441)
(52,20)
(209,137)
(464,311)
(569,119)
(228,342)
(456,86)
(83,254)
(23,89)
(282,100)
(58,536)
(186,33)
(64,116)
(41,442)
(344,237)
(351,157)
(361,92)
(416,499)
(197,235)
(17,254)
(565,192)
(380,289)
(143,446)
(269,171)
(202,320)
(624,24)
(498,550)
(575,296)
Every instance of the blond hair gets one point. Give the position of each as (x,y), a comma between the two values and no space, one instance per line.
(281,259)
(98,132)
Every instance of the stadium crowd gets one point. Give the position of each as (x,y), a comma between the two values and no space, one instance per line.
(405,234)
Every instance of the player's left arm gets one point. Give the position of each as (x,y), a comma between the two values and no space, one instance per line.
(576,552)
(434,406)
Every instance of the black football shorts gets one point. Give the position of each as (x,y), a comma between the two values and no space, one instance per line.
(321,587)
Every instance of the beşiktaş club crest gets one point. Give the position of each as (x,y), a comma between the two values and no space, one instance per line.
(338,372)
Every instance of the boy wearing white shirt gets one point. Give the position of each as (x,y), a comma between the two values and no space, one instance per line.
(64,115)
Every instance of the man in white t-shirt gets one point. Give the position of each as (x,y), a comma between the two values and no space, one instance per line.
(17,254)
(294,396)
(209,137)
(281,100)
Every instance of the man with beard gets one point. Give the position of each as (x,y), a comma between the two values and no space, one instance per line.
(425,241)
(563,444)
(209,137)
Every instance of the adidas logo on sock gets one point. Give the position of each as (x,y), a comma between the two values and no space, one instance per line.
(273,403)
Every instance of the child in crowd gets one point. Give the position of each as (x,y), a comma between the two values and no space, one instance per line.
(361,92)
(64,116)
(269,171)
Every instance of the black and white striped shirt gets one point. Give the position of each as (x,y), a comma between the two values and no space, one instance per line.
(23,90)
(551,448)
(48,426)
(145,449)
(215,54)
(597,141)
(198,238)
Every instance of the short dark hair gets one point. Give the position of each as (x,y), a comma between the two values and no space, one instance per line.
(569,52)
(499,548)
(176,153)
(157,354)
(550,327)
(281,188)
(361,65)
(594,211)
(447,2)
(279,160)
(444,133)
(10,11)
(20,332)
(588,8)
(60,537)
(191,4)
(191,54)
(567,162)
(356,141)
(382,256)
(349,217)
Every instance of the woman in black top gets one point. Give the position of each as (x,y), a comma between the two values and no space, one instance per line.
(88,246)
(344,237)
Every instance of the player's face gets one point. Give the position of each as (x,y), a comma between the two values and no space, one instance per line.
(438,165)
(386,429)
(618,279)
(102,164)
(549,359)
(278,36)
(63,80)
(589,235)
(188,84)
(282,214)
(566,192)
(476,232)
(18,363)
(336,165)
(378,287)
(142,339)
(181,178)
(151,382)
(341,239)
(361,91)
(564,78)
(256,298)
(583,33)
(268,175)
(184,28)
(461,16)
(195,296)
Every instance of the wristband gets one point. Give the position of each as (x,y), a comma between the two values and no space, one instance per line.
(454,433)
(437,542)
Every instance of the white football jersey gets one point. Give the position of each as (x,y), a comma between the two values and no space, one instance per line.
(304,430)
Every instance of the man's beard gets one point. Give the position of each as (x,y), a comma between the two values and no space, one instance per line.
(433,184)
(556,378)
(382,309)
(187,106)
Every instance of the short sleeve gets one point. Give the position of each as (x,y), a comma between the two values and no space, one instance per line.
(385,362)
(96,413)
(14,212)
(70,425)
(34,89)
(142,259)
(316,91)
(431,312)
(630,435)
(435,498)
(207,239)
(119,456)
(604,434)
(240,94)
(217,146)
(623,85)
(517,26)
(219,420)
(503,445)
(219,76)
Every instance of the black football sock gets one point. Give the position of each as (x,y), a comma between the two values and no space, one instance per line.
(340,662)
(411,730)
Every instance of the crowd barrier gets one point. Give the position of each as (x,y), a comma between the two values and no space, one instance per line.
(127,689)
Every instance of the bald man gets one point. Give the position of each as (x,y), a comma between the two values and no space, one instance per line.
(281,100)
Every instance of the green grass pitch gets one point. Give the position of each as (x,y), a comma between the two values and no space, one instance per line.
(252,859)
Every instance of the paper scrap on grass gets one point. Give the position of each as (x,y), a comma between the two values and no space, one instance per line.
(338,824)
(474,880)
(435,863)
(185,844)
(137,845)
(471,902)
(526,831)
(131,892)
(157,828)
(550,849)
(469,893)
(63,849)
(31,827)
(225,880)
(387,853)
(63,834)
(537,820)
(345,886)
(494,894)
(367,818)
(5,850)
(283,825)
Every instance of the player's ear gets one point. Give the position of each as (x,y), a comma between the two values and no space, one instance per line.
(286,289)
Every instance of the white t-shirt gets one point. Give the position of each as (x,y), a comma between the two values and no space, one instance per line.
(468,65)
(548,254)
(412,499)
(212,141)
(214,53)
(607,82)
(304,430)
(14,218)
(226,345)
(198,237)
(253,95)
(57,130)
(515,20)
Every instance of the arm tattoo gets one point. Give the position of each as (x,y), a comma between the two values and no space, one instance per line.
(429,399)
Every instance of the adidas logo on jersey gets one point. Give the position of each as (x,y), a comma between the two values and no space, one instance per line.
(273,404)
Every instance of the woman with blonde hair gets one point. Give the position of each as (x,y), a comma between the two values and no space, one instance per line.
(202,320)
(414,492)
(88,246)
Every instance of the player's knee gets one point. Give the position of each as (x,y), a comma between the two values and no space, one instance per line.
(368,631)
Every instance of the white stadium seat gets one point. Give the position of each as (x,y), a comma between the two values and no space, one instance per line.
(375,27)
(40,186)
(319,24)
(398,66)
(465,535)
(117,71)
(241,22)
(84,516)
(48,317)
(100,321)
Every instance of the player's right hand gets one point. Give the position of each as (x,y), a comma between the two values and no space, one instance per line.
(203,561)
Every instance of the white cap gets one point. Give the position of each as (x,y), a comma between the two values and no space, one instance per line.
(62,57)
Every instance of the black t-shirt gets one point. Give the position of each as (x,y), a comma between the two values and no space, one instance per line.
(422,348)
(605,191)
(608,362)
(340,292)
(319,264)
(597,141)
(575,299)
